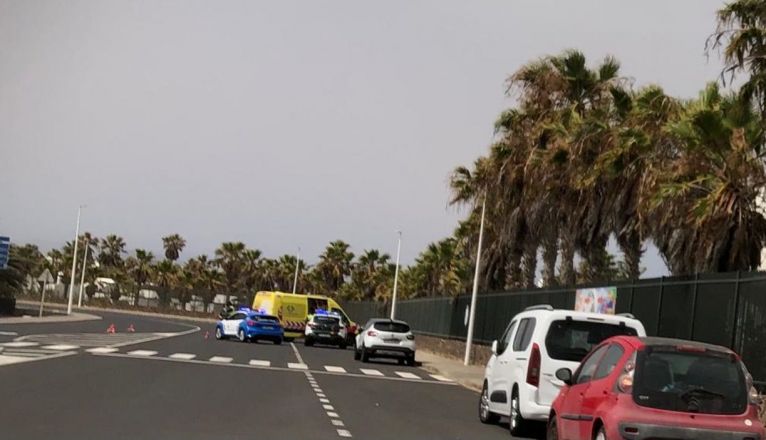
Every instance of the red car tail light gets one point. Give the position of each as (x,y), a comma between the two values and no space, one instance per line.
(372,333)
(250,323)
(533,369)
(625,381)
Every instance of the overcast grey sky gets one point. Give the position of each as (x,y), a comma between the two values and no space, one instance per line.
(286,124)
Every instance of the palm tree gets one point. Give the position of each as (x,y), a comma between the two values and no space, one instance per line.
(230,259)
(335,264)
(112,249)
(166,277)
(173,245)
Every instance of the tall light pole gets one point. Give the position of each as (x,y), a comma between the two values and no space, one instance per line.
(472,312)
(396,275)
(82,278)
(297,265)
(74,261)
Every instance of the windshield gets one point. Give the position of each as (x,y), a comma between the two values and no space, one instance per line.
(570,340)
(394,327)
(699,382)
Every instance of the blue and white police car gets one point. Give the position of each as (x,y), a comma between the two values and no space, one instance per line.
(250,325)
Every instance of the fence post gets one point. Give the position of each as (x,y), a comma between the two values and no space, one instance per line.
(632,292)
(694,305)
(736,312)
(659,306)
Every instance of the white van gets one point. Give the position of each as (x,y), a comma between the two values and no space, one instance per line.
(520,381)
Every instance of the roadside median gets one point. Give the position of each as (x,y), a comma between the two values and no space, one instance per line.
(469,376)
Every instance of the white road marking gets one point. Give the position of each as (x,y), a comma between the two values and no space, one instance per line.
(297,354)
(323,400)
(259,363)
(370,372)
(337,422)
(333,369)
(142,353)
(441,378)
(182,356)
(328,407)
(321,395)
(318,390)
(8,334)
(295,366)
(221,359)
(8,360)
(102,350)
(62,347)
(344,433)
(406,375)
(19,344)
(332,414)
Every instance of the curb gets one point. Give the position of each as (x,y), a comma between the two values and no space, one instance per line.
(74,317)
(127,312)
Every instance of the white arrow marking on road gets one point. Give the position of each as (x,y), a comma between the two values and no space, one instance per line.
(62,347)
(102,350)
(333,369)
(441,378)
(142,353)
(406,375)
(296,366)
(259,363)
(370,372)
(19,344)
(185,356)
(221,359)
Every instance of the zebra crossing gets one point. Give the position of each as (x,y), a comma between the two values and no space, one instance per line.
(18,351)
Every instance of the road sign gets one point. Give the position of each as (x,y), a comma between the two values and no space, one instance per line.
(46,277)
(5,246)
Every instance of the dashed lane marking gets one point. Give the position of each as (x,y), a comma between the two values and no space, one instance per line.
(221,359)
(440,378)
(406,375)
(337,422)
(297,366)
(333,369)
(102,350)
(62,347)
(371,372)
(186,356)
(324,400)
(17,344)
(259,363)
(328,407)
(332,414)
(142,353)
(344,433)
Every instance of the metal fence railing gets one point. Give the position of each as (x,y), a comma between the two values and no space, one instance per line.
(727,309)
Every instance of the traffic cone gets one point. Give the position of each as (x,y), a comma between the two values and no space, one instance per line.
(111,329)
(207,334)
(131,329)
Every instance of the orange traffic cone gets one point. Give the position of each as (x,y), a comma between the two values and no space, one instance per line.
(111,329)
(131,329)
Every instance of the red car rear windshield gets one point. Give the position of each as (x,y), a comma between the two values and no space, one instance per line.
(706,382)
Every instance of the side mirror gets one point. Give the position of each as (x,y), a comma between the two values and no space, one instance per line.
(564,375)
(494,346)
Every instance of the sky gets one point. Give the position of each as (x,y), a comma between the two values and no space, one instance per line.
(287,124)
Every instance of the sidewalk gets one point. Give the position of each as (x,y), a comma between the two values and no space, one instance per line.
(471,376)
(29,319)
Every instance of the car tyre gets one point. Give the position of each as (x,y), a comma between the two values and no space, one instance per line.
(485,415)
(342,345)
(308,342)
(278,341)
(365,355)
(601,434)
(402,361)
(516,422)
(552,431)
(411,360)
(241,336)
(357,353)
(218,333)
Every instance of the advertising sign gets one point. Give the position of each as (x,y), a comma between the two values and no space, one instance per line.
(596,300)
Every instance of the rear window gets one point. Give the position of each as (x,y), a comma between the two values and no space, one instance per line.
(264,318)
(325,320)
(696,382)
(570,340)
(394,327)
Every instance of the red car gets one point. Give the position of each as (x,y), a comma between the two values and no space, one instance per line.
(654,388)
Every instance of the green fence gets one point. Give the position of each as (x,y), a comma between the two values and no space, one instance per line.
(727,309)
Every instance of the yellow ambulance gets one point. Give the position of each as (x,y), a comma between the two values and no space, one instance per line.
(293,310)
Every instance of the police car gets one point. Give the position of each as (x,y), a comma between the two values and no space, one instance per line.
(325,328)
(250,325)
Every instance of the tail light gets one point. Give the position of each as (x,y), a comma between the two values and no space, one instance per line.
(250,323)
(310,325)
(411,337)
(753,395)
(372,333)
(533,369)
(625,381)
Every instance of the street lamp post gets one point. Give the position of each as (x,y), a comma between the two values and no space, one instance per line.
(472,312)
(297,265)
(74,261)
(396,275)
(82,278)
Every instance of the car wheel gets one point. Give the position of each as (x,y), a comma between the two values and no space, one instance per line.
(308,342)
(485,415)
(357,354)
(601,434)
(342,345)
(241,336)
(516,422)
(552,431)
(278,341)
(411,360)
(365,355)
(402,361)
(218,333)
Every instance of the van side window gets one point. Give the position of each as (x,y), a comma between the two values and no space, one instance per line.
(505,340)
(316,303)
(524,334)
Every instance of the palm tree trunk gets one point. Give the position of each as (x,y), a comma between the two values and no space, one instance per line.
(550,253)
(529,263)
(567,270)
(513,272)
(630,245)
(597,260)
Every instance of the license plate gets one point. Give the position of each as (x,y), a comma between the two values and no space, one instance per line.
(391,340)
(268,328)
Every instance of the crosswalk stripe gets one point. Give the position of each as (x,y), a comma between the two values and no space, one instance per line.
(19,344)
(142,353)
(370,372)
(62,347)
(441,378)
(333,369)
(297,366)
(221,359)
(259,363)
(343,433)
(185,356)
(337,422)
(406,375)
(102,350)
(324,400)
(328,407)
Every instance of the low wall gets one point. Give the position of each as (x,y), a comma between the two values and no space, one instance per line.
(453,348)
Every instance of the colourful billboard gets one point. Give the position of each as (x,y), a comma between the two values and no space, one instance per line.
(596,300)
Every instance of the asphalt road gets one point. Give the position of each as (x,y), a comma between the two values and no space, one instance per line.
(167,380)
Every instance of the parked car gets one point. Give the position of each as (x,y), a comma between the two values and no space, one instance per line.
(248,325)
(325,328)
(385,338)
(656,388)
(519,379)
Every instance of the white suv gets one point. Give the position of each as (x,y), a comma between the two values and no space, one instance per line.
(520,381)
(385,338)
